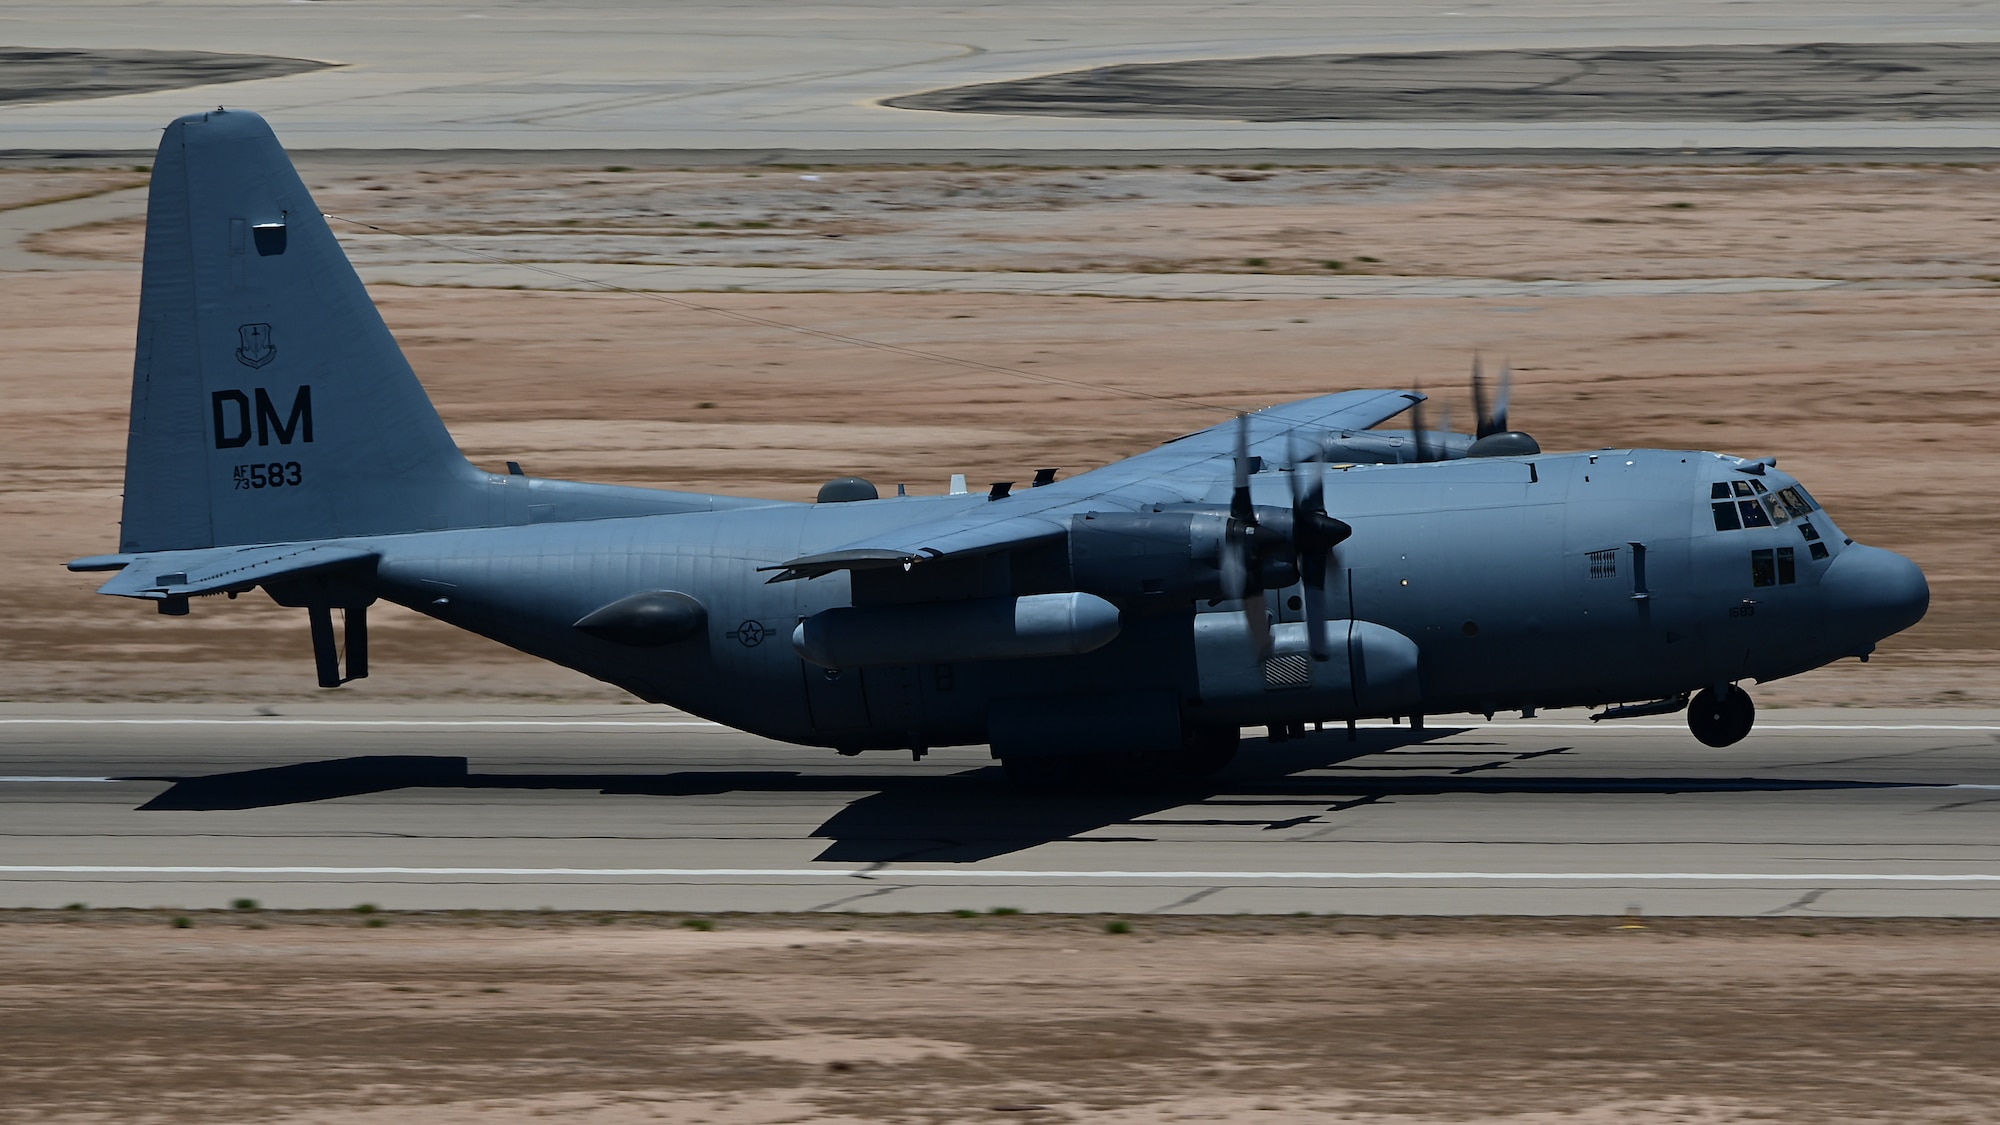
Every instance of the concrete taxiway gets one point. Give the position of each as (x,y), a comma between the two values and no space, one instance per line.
(713,75)
(1848,812)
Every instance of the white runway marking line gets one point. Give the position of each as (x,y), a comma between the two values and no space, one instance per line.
(1065,876)
(54,780)
(267,722)
(1835,728)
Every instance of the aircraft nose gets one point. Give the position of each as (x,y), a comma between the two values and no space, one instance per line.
(1871,593)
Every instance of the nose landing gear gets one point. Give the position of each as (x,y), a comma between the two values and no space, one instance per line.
(1721,717)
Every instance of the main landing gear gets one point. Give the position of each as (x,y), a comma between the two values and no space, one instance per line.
(1721,716)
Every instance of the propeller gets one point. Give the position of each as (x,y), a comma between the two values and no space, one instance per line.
(1314,536)
(1430,443)
(1240,560)
(1493,413)
(1306,539)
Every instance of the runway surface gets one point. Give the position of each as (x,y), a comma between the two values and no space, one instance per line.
(714,75)
(1850,813)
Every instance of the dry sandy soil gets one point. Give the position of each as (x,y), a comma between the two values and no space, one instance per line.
(1878,394)
(610,1019)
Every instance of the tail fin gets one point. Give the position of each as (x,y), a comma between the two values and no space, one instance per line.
(269,402)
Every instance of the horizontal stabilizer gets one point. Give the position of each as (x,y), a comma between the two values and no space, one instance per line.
(180,574)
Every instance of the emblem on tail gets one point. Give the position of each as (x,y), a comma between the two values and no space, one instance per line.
(255,348)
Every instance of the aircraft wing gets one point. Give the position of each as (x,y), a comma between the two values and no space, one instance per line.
(935,539)
(179,574)
(1348,410)
(1042,514)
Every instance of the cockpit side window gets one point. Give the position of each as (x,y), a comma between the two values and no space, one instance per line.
(1719,490)
(1742,487)
(1725,515)
(1753,514)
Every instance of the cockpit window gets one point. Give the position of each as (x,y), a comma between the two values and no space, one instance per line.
(1748,503)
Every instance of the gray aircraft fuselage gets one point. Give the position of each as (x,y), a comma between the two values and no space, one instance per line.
(1485,564)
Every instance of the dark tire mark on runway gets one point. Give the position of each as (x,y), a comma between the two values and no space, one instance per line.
(60,74)
(1751,82)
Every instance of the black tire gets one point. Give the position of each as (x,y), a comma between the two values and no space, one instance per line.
(1721,720)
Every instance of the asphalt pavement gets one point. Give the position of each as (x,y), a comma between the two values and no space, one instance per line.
(1843,812)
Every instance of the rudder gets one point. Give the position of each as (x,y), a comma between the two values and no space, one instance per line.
(269,401)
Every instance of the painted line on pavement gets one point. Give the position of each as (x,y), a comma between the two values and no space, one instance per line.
(53,780)
(581,723)
(268,722)
(1065,876)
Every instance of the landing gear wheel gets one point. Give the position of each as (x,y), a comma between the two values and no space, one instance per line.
(1721,720)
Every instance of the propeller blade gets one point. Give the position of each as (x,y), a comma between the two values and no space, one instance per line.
(1482,409)
(1257,616)
(1240,507)
(1499,422)
(1235,569)
(1312,567)
(1418,428)
(1314,536)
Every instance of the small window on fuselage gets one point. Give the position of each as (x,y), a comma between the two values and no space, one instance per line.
(1763,569)
(1773,567)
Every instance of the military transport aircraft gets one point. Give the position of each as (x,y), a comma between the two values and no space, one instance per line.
(1287,568)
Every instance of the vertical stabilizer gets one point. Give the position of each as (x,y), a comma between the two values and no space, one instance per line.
(269,402)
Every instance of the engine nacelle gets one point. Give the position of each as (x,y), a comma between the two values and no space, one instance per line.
(1171,556)
(1372,671)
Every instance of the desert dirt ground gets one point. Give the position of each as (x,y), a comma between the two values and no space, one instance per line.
(374,1018)
(1877,393)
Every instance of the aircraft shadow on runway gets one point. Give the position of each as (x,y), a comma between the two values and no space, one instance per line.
(976,814)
